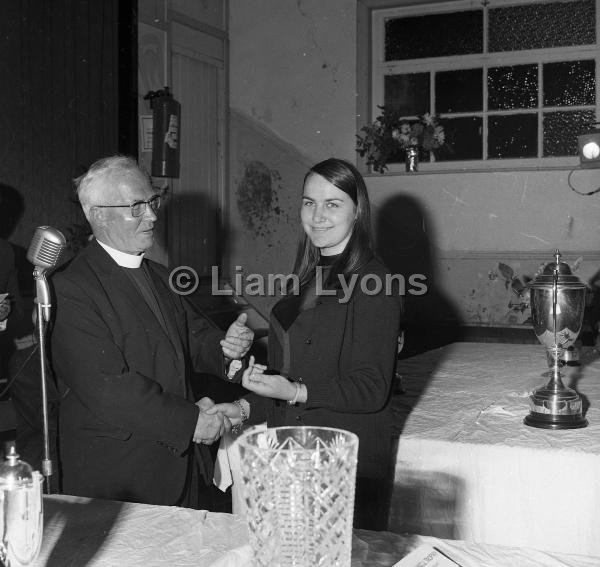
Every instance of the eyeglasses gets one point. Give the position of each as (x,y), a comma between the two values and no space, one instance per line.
(138,208)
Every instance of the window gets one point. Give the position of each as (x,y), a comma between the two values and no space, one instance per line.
(513,81)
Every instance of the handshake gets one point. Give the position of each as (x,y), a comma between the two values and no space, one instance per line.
(212,421)
(211,424)
(216,419)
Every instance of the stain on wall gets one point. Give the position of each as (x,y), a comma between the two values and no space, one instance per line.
(258,201)
(265,191)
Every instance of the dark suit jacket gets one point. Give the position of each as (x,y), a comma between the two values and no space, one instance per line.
(345,353)
(15,324)
(126,418)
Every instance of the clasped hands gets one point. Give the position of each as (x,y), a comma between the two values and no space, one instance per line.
(212,424)
(255,380)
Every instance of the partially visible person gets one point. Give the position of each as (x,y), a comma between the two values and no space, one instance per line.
(12,312)
(123,345)
(19,362)
(10,304)
(332,346)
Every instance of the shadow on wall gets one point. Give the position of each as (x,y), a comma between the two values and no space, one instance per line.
(11,211)
(403,243)
(191,232)
(591,318)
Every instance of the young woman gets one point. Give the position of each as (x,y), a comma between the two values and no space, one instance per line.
(333,345)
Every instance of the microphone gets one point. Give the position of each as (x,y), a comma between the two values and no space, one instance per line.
(44,252)
(46,247)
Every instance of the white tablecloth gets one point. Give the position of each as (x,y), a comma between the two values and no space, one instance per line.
(95,533)
(468,468)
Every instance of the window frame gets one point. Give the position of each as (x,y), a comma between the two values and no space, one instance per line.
(370,21)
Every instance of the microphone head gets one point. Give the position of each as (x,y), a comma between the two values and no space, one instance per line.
(46,247)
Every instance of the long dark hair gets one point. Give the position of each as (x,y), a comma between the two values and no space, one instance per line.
(359,249)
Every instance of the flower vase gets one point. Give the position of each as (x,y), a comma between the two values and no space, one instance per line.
(412,158)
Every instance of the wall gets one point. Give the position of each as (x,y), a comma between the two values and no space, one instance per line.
(293,98)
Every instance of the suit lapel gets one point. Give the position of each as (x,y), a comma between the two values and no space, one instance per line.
(118,284)
(169,310)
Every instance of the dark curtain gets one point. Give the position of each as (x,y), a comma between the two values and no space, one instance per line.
(67,97)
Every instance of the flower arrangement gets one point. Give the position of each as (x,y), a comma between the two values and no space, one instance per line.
(390,135)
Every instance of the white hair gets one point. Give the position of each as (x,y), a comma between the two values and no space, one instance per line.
(90,183)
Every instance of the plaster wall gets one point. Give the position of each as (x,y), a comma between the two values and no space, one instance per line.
(293,100)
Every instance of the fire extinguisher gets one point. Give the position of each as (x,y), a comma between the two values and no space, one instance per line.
(166,115)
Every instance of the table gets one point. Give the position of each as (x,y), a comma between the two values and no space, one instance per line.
(468,468)
(100,533)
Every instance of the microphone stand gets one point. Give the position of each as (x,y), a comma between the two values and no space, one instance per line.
(42,315)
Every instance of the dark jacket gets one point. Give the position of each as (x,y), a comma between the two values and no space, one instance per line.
(345,353)
(18,322)
(127,417)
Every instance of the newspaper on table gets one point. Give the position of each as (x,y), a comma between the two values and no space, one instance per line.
(426,556)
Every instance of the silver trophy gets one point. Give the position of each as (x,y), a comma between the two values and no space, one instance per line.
(557,305)
(21,512)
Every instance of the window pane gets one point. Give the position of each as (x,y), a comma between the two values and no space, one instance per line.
(537,25)
(408,94)
(569,83)
(435,35)
(512,87)
(459,91)
(562,128)
(512,136)
(463,137)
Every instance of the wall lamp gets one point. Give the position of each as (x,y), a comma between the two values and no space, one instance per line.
(588,147)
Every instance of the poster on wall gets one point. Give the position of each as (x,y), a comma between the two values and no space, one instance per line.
(146,133)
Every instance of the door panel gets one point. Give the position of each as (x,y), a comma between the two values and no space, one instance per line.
(194,207)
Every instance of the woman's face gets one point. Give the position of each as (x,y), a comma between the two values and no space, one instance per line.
(327,215)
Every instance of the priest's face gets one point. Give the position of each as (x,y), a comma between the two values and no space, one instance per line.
(120,227)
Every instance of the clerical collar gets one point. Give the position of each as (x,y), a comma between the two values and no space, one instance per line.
(122,258)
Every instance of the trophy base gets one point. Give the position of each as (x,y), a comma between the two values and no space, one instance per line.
(554,406)
(550,421)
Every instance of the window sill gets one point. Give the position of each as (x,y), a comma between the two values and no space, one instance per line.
(508,166)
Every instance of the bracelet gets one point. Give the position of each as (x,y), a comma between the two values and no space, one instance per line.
(294,400)
(243,416)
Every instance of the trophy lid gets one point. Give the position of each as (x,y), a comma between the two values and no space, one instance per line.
(560,271)
(14,473)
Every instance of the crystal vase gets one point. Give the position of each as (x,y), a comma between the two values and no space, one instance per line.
(298,484)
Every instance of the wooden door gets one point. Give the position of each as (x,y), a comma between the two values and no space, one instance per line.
(196,204)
